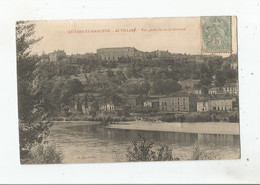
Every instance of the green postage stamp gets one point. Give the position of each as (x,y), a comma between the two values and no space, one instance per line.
(216,34)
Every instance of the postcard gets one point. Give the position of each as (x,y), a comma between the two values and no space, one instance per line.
(128,90)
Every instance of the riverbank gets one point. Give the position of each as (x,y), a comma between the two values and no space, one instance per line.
(205,127)
(202,127)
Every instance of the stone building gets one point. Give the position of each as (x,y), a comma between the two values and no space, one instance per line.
(202,106)
(57,55)
(216,104)
(154,103)
(114,54)
(180,102)
(215,90)
(193,91)
(230,88)
(45,58)
(163,54)
(107,107)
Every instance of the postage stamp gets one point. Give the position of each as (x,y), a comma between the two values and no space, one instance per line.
(216,34)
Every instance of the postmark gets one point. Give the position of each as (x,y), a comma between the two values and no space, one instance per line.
(216,34)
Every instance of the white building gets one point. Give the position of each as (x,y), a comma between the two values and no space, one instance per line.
(107,107)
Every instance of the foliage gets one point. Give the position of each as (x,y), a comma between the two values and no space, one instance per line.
(213,116)
(142,109)
(144,150)
(44,154)
(205,76)
(31,111)
(233,117)
(65,68)
(200,154)
(133,71)
(225,74)
(168,118)
(61,92)
(138,88)
(165,86)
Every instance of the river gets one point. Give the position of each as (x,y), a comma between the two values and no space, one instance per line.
(89,142)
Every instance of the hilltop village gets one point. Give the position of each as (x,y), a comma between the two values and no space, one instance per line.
(128,84)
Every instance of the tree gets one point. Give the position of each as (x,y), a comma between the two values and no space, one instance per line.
(144,150)
(33,127)
(205,78)
(61,93)
(165,86)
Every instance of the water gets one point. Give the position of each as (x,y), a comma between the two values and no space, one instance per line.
(87,143)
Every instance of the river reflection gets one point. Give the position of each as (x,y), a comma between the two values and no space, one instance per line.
(96,143)
(111,134)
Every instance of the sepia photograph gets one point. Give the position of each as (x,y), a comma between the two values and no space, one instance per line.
(128,90)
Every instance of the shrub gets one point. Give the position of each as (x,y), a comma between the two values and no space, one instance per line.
(233,117)
(200,154)
(143,150)
(144,110)
(45,154)
(168,118)
(198,117)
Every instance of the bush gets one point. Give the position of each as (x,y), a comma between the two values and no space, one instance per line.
(144,110)
(198,117)
(45,154)
(168,118)
(233,117)
(143,151)
(200,154)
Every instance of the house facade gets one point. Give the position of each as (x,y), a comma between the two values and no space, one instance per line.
(107,107)
(215,90)
(230,88)
(193,91)
(202,106)
(217,104)
(57,55)
(152,103)
(114,54)
(177,103)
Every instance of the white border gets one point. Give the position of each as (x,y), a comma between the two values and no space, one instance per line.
(230,171)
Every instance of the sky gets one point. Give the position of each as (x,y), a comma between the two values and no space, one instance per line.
(177,35)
